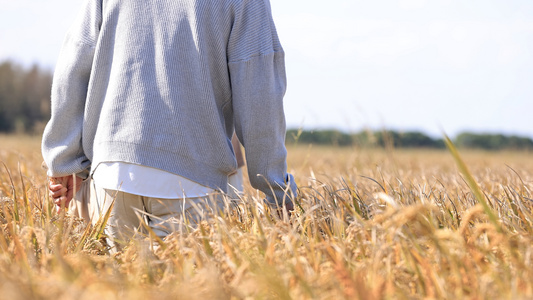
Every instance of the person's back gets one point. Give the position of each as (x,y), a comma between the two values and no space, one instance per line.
(164,88)
(164,83)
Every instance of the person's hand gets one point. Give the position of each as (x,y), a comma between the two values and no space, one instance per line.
(62,189)
(288,206)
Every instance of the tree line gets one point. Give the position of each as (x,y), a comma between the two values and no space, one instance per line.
(410,139)
(24,98)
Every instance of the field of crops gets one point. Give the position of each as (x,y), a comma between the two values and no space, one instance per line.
(369,224)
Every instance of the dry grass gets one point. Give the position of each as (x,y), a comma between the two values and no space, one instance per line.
(370,224)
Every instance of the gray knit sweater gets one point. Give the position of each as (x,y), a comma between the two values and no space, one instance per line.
(164,83)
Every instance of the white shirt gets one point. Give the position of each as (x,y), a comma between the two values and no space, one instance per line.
(146,181)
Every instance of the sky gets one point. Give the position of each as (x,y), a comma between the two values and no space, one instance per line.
(427,65)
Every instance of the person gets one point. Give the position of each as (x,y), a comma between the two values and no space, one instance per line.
(146,96)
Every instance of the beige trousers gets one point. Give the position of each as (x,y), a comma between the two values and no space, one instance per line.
(131,214)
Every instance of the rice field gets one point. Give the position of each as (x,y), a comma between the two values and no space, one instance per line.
(368,224)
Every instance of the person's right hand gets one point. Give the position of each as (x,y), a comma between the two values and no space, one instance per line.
(62,189)
(289,207)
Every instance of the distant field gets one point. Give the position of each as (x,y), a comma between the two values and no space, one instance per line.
(369,224)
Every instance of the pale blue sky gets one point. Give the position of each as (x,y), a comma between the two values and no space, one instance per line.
(353,64)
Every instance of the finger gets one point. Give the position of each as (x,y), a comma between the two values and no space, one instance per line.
(61,201)
(56,180)
(55,187)
(58,193)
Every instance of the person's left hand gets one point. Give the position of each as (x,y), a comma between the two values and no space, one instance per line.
(62,189)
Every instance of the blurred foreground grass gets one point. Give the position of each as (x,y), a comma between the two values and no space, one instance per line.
(370,224)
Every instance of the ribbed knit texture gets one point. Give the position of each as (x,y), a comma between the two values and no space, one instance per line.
(163,83)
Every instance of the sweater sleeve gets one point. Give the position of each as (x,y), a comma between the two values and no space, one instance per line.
(257,70)
(62,138)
